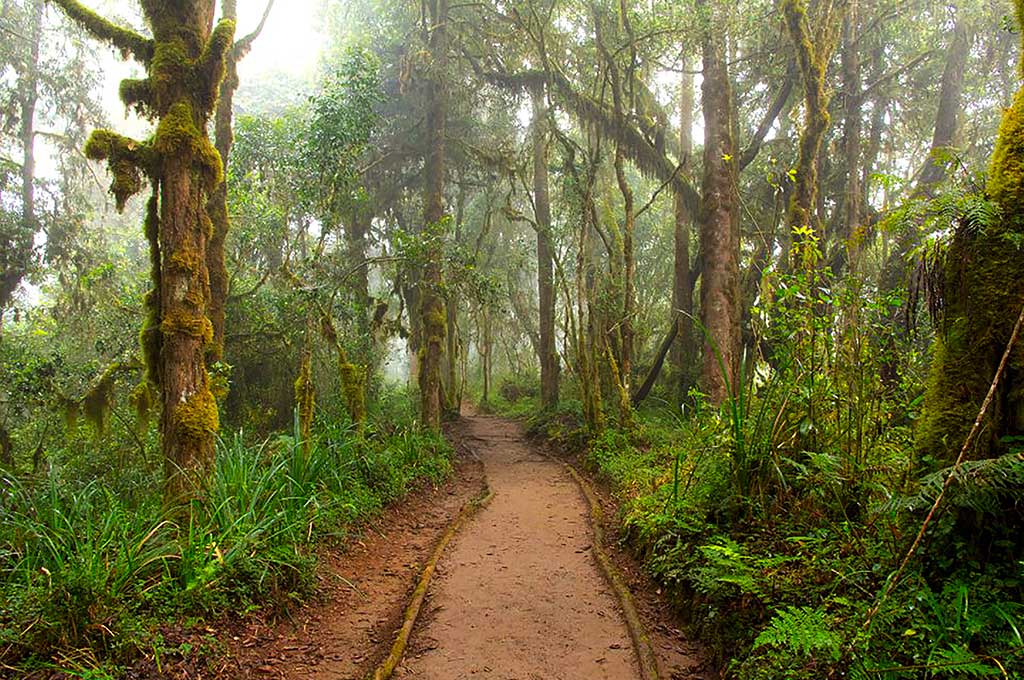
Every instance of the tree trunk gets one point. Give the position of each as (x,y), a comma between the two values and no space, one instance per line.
(720,293)
(683,350)
(625,369)
(984,291)
(545,259)
(432,303)
(814,51)
(847,239)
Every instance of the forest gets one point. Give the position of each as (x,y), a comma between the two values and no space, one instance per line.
(287,288)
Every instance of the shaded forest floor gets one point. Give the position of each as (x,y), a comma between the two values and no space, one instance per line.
(516,595)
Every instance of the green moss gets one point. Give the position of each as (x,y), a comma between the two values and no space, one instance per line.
(127,161)
(99,400)
(144,401)
(984,287)
(197,419)
(305,399)
(187,323)
(178,135)
(138,95)
(1006,173)
(353,386)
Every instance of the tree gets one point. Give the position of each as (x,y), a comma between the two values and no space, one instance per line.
(983,293)
(218,204)
(545,263)
(185,63)
(719,230)
(432,312)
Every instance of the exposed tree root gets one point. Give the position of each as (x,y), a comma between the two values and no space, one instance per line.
(641,643)
(412,612)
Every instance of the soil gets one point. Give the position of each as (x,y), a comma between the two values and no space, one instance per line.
(517,595)
(363,592)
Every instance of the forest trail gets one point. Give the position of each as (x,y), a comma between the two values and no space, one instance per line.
(518,595)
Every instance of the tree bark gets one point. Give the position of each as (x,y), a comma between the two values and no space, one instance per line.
(814,51)
(545,260)
(720,243)
(218,204)
(432,303)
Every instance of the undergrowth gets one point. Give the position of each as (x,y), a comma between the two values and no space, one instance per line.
(87,575)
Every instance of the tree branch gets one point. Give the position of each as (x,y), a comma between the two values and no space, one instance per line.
(124,39)
(243,45)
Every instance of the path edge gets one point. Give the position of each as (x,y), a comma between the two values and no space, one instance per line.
(641,642)
(387,667)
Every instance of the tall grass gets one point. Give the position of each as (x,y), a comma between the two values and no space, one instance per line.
(82,568)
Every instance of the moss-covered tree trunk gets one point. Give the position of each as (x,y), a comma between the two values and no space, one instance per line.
(814,48)
(719,233)
(432,313)
(184,63)
(218,205)
(545,258)
(984,291)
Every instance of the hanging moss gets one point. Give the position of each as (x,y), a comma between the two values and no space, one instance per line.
(126,159)
(137,95)
(197,419)
(98,402)
(144,401)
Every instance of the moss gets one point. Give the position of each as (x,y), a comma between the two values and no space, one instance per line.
(185,261)
(983,288)
(197,419)
(128,41)
(187,323)
(137,95)
(171,66)
(178,135)
(1006,174)
(305,399)
(127,161)
(353,386)
(144,401)
(99,400)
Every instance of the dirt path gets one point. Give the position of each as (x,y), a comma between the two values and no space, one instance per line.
(518,595)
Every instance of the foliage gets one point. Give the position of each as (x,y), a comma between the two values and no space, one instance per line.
(84,567)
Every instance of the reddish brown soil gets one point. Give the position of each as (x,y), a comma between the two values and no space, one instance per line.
(519,595)
(364,591)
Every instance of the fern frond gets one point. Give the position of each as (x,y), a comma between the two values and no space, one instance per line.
(803,630)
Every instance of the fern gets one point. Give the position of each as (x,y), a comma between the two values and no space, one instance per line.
(960,662)
(979,485)
(802,630)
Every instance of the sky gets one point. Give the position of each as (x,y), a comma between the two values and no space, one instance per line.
(290,43)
